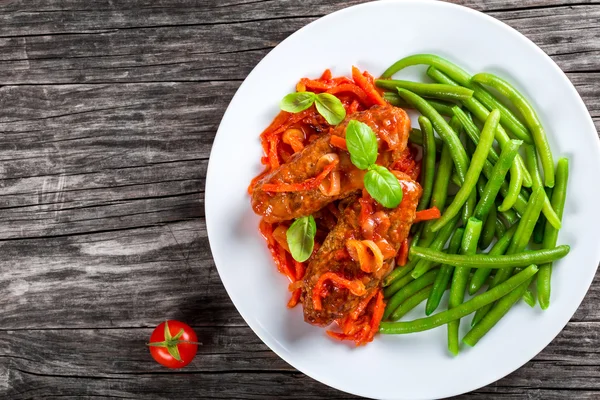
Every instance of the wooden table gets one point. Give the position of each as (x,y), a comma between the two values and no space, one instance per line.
(108,109)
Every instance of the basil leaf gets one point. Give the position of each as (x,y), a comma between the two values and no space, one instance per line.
(362,144)
(297,101)
(301,238)
(331,108)
(383,186)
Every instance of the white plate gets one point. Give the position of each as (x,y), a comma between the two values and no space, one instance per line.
(372,36)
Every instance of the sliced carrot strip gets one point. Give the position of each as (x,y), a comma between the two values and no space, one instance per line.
(295,298)
(365,85)
(428,214)
(377,315)
(402,254)
(326,75)
(362,306)
(351,88)
(338,141)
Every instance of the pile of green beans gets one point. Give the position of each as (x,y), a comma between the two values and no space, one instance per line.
(481,150)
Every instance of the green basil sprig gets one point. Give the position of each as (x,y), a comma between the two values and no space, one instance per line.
(381,184)
(329,106)
(301,238)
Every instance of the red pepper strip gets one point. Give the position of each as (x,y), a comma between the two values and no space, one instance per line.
(426,215)
(377,315)
(403,253)
(356,287)
(369,89)
(295,298)
(361,307)
(338,141)
(326,75)
(340,80)
(351,88)
(316,84)
(300,269)
(311,183)
(277,252)
(279,120)
(353,107)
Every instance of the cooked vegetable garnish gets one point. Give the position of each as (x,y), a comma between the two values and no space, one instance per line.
(462,310)
(368,243)
(559,195)
(487,261)
(533,122)
(428,164)
(434,90)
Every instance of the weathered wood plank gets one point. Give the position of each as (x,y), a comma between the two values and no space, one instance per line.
(234,348)
(174,53)
(504,5)
(31,357)
(23,17)
(119,278)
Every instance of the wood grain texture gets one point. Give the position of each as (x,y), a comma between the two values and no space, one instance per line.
(108,110)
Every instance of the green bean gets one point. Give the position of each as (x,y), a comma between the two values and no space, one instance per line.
(434,90)
(529,218)
(406,292)
(469,206)
(538,231)
(505,262)
(461,311)
(532,165)
(510,216)
(481,274)
(514,188)
(413,301)
(497,312)
(529,298)
(401,271)
(472,131)
(481,113)
(450,138)
(507,118)
(521,202)
(551,233)
(444,274)
(402,281)
(444,108)
(439,194)
(500,228)
(481,185)
(531,120)
(489,229)
(416,137)
(428,163)
(437,244)
(470,180)
(453,71)
(494,183)
(460,278)
(519,241)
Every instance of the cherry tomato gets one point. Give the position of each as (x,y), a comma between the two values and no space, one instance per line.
(173,344)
